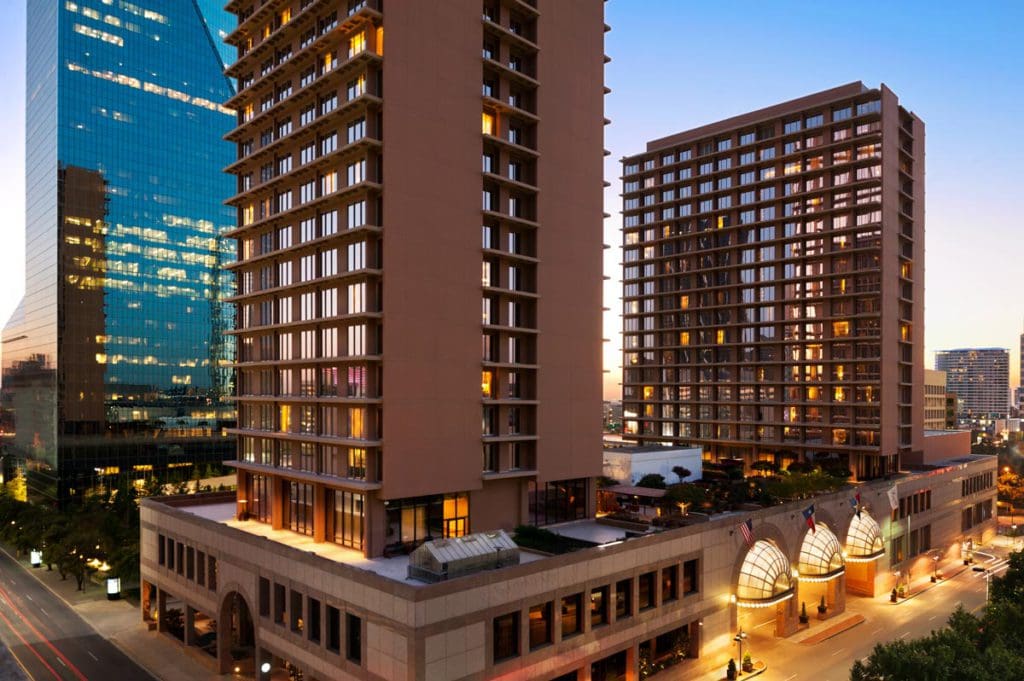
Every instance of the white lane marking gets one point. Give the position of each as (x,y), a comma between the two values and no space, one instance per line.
(62,662)
(28,597)
(932,617)
(43,610)
(92,656)
(905,634)
(837,652)
(791,678)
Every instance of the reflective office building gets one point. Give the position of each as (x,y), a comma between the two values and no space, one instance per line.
(116,362)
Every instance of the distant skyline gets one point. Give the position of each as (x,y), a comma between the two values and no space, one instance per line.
(679,65)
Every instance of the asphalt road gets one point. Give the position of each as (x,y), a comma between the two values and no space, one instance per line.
(49,639)
(916,617)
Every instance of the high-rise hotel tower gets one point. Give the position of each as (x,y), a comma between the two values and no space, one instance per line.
(419,236)
(773,284)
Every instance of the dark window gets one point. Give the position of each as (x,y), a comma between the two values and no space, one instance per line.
(161,550)
(190,563)
(353,638)
(646,591)
(200,568)
(598,606)
(295,612)
(571,622)
(540,625)
(690,584)
(179,558)
(264,597)
(279,605)
(556,502)
(212,574)
(506,636)
(623,598)
(313,628)
(669,583)
(333,629)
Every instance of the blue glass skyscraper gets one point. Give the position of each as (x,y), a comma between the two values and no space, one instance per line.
(117,361)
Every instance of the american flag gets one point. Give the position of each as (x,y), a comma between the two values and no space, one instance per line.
(809,516)
(747,529)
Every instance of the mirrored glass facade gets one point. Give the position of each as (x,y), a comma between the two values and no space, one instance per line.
(117,361)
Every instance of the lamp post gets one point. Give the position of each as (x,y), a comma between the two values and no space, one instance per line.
(740,637)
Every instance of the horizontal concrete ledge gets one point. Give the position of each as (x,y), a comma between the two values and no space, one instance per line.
(834,630)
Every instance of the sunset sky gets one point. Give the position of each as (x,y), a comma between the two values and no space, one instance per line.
(676,65)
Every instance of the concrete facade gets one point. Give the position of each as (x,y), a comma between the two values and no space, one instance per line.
(360,175)
(412,630)
(773,274)
(628,464)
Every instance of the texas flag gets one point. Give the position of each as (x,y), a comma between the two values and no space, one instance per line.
(809,517)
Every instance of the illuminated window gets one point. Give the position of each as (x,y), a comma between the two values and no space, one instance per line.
(840,329)
(820,553)
(684,302)
(489,127)
(356,44)
(720,336)
(839,394)
(487,384)
(285,418)
(648,392)
(904,332)
(765,573)
(684,337)
(864,538)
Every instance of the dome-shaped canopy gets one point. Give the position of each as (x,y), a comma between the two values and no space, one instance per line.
(864,539)
(765,573)
(820,554)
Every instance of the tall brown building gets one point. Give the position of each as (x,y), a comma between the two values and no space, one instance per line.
(774,268)
(416,362)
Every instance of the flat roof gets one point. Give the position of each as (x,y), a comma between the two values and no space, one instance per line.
(753,117)
(395,568)
(589,530)
(645,449)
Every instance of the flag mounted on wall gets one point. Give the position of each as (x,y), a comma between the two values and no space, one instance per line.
(809,517)
(894,500)
(747,530)
(855,504)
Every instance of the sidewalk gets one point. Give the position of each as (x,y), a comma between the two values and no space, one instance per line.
(120,623)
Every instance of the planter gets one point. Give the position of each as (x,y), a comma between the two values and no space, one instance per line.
(748,667)
(821,614)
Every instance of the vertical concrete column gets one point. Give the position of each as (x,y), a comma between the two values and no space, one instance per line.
(241,500)
(633,663)
(277,502)
(190,626)
(786,618)
(319,514)
(374,525)
(837,594)
(161,610)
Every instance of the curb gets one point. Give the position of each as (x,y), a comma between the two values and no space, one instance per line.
(128,653)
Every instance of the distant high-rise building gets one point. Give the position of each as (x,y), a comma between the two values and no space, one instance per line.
(116,362)
(980,377)
(934,400)
(773,284)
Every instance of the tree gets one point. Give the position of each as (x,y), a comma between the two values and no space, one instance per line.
(652,481)
(764,467)
(989,647)
(684,493)
(682,472)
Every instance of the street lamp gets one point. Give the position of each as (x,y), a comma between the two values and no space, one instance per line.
(740,637)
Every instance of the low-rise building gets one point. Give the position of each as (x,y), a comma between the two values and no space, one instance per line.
(253,595)
(629,464)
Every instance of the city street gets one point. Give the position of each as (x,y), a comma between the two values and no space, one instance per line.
(830,660)
(49,639)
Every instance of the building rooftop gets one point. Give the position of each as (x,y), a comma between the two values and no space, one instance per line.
(395,568)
